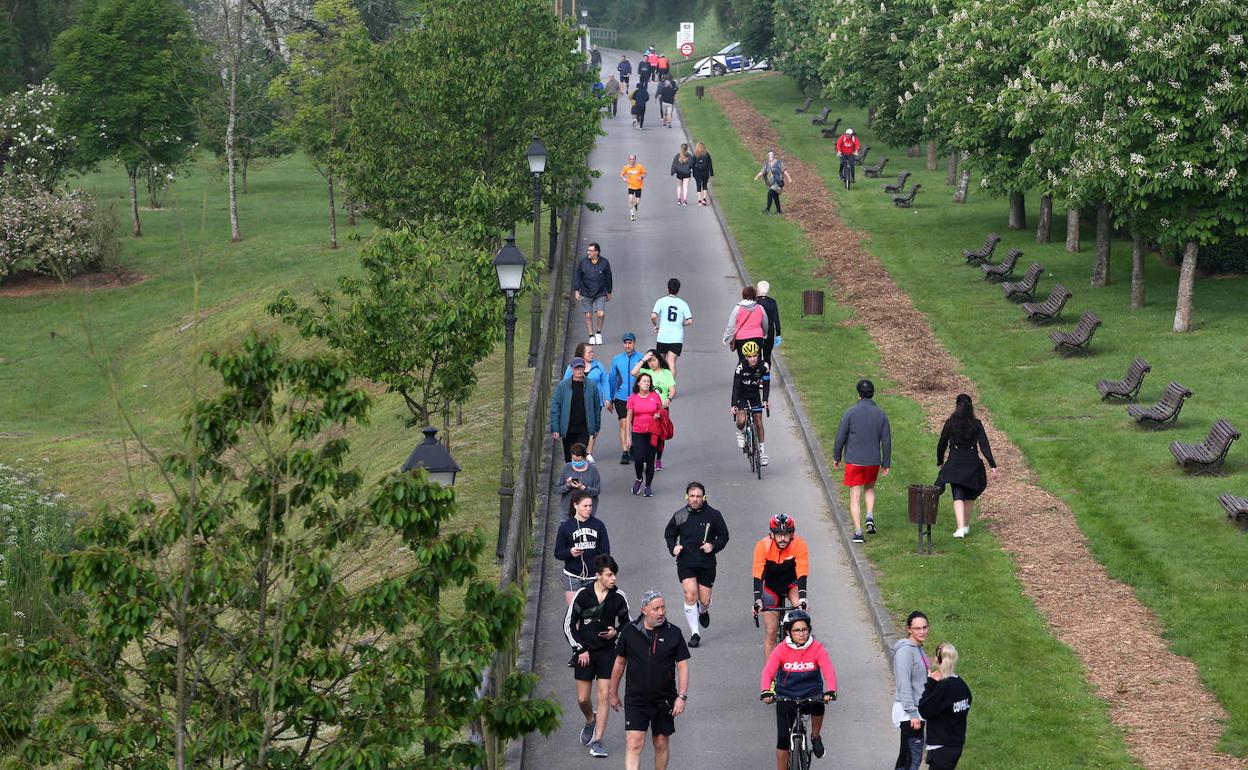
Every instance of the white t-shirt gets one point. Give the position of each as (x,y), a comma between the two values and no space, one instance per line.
(672,313)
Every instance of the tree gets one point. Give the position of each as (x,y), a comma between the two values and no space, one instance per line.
(794,48)
(235,623)
(317,91)
(27,31)
(753,22)
(30,145)
(129,72)
(855,52)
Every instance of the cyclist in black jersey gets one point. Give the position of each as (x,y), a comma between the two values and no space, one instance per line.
(751,390)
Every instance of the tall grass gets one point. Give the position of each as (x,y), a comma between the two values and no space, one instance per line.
(33,521)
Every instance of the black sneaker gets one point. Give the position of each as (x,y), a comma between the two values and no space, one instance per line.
(625,459)
(816,746)
(695,640)
(870,526)
(858,538)
(704,618)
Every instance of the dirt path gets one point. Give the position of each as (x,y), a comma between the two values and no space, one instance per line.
(1156,696)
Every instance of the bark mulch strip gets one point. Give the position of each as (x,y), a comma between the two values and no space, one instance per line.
(1156,696)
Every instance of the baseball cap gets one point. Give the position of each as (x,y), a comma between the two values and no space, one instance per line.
(628,336)
(578,361)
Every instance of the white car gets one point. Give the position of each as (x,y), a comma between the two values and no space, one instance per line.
(730,58)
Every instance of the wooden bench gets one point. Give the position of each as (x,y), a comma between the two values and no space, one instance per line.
(805,105)
(862,154)
(983,253)
(907,200)
(1041,313)
(1024,290)
(822,119)
(1079,340)
(1001,270)
(830,131)
(1165,412)
(875,169)
(1235,507)
(1128,388)
(1208,455)
(895,187)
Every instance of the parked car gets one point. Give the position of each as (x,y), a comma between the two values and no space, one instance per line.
(730,58)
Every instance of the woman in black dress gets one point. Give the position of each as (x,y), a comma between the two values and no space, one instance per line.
(963,437)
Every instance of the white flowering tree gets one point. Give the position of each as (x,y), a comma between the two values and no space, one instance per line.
(855,34)
(795,48)
(32,150)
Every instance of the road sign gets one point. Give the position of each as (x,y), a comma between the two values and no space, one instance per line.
(686,50)
(685,34)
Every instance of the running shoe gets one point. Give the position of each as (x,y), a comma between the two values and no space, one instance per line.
(637,487)
(740,440)
(658,464)
(633,216)
(695,640)
(704,618)
(762,459)
(648,493)
(961,532)
(816,746)
(625,459)
(596,749)
(587,733)
(858,538)
(870,523)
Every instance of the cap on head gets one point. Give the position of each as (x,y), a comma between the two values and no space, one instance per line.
(849,132)
(763,287)
(649,596)
(865,388)
(628,337)
(577,362)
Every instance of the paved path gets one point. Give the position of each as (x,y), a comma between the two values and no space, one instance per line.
(725,726)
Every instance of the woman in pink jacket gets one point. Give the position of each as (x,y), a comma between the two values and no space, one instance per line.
(799,668)
(747,321)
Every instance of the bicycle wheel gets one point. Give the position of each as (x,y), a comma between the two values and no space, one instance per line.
(799,754)
(758,461)
(749,444)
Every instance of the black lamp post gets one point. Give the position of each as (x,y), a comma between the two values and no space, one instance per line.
(536,156)
(509,265)
(434,457)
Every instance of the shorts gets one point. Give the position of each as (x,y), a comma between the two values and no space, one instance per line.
(785,714)
(657,718)
(663,348)
(776,595)
(755,403)
(704,575)
(860,475)
(593,304)
(600,664)
(635,192)
(621,408)
(574,583)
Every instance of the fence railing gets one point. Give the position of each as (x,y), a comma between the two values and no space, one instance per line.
(602,35)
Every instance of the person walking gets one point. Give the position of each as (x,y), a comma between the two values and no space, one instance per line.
(575,411)
(775,175)
(640,97)
(652,659)
(746,322)
(579,475)
(634,176)
(664,383)
(612,90)
(641,408)
(644,71)
(596,615)
(694,535)
(682,169)
(669,316)
(580,539)
(667,99)
(703,170)
(945,705)
(798,669)
(865,440)
(594,370)
(595,59)
(620,387)
(961,436)
(592,285)
(664,66)
(773,319)
(910,671)
(625,68)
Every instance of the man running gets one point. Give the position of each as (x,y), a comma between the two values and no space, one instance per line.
(866,440)
(634,176)
(751,394)
(625,68)
(620,387)
(595,617)
(694,535)
(592,285)
(781,566)
(670,316)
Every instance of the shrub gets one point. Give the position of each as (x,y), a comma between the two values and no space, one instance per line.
(32,522)
(30,145)
(1228,255)
(54,233)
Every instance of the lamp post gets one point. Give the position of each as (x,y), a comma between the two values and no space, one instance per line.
(509,266)
(434,457)
(536,156)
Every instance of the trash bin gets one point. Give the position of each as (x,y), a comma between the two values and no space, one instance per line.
(812,303)
(924,499)
(700,91)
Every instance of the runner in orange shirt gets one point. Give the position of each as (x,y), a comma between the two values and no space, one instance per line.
(634,175)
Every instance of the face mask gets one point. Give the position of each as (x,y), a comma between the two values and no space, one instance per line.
(580,464)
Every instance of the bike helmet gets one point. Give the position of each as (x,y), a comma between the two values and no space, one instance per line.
(750,348)
(849,132)
(792,616)
(782,522)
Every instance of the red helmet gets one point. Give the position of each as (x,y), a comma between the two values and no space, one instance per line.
(782,522)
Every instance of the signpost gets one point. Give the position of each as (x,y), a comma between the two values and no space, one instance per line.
(684,35)
(686,50)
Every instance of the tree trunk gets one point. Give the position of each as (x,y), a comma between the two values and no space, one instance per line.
(964,184)
(350,206)
(870,116)
(931,154)
(1137,271)
(1187,277)
(1072,229)
(333,213)
(913,151)
(951,170)
(1100,262)
(231,150)
(1044,229)
(246,163)
(1018,211)
(133,173)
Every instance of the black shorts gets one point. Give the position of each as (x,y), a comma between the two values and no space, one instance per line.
(785,713)
(755,403)
(705,576)
(656,718)
(663,348)
(621,408)
(636,192)
(600,664)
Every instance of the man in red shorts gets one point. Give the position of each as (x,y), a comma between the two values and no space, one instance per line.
(866,442)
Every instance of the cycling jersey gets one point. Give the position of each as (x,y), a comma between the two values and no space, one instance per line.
(847,145)
(778,569)
(748,381)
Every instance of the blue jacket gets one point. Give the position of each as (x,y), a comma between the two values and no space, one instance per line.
(561,407)
(595,372)
(620,380)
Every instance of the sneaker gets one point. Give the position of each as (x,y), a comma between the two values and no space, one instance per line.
(637,487)
(633,216)
(762,459)
(658,464)
(858,538)
(740,440)
(587,733)
(870,522)
(596,749)
(625,458)
(695,640)
(590,458)
(816,746)
(961,531)
(704,618)
(647,493)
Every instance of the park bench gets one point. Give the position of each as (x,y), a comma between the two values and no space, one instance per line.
(1165,411)
(1001,270)
(876,168)
(1047,312)
(1128,388)
(805,105)
(983,253)
(862,154)
(1208,455)
(830,131)
(907,200)
(895,187)
(1019,291)
(1079,340)
(822,119)
(1235,507)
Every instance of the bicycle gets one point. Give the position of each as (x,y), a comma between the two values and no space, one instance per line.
(784,607)
(753,452)
(847,170)
(800,748)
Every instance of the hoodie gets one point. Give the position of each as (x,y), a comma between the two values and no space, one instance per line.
(587,616)
(691,529)
(910,672)
(590,536)
(799,672)
(753,322)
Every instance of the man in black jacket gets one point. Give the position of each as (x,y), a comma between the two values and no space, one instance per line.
(595,617)
(667,99)
(591,286)
(694,535)
(772,310)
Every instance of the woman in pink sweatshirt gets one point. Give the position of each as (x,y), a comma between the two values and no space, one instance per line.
(799,669)
(747,321)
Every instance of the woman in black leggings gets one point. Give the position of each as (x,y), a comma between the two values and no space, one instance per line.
(703,170)
(642,405)
(775,175)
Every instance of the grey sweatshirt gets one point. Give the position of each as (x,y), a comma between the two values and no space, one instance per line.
(731,328)
(590,477)
(910,673)
(864,436)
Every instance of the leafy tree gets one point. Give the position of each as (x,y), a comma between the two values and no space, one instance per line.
(129,72)
(30,145)
(27,31)
(234,624)
(753,22)
(855,49)
(794,46)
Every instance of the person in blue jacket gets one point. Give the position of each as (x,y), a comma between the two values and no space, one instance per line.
(594,370)
(620,387)
(576,411)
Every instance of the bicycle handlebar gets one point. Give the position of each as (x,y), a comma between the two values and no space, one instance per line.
(770,609)
(799,701)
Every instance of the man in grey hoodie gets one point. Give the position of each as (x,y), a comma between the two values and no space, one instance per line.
(910,671)
(866,441)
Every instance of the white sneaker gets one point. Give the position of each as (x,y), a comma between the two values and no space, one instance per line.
(961,532)
(633,216)
(590,457)
(597,341)
(740,440)
(762,459)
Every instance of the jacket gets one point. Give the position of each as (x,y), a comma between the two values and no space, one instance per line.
(641,96)
(780,569)
(590,477)
(620,380)
(963,466)
(799,672)
(592,279)
(848,145)
(613,87)
(773,316)
(910,674)
(661,428)
(691,529)
(590,536)
(753,325)
(702,166)
(587,616)
(561,407)
(864,436)
(945,706)
(667,91)
(625,67)
(682,168)
(593,372)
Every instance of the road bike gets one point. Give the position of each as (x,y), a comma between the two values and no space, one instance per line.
(847,170)
(753,451)
(800,748)
(783,608)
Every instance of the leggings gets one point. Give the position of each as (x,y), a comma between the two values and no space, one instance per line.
(911,753)
(701,181)
(682,188)
(641,115)
(773,196)
(643,457)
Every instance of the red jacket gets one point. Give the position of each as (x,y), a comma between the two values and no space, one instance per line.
(663,63)
(799,672)
(848,144)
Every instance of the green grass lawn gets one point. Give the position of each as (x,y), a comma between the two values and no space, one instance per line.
(1034,709)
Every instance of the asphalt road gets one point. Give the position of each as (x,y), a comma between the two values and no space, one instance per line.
(725,726)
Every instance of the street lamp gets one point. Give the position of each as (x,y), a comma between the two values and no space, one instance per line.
(536,156)
(433,456)
(509,267)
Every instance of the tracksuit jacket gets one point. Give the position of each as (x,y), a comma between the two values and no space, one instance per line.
(587,616)
(799,672)
(691,529)
(592,280)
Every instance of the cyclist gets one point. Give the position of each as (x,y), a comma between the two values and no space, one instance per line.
(799,669)
(781,565)
(751,391)
(847,147)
